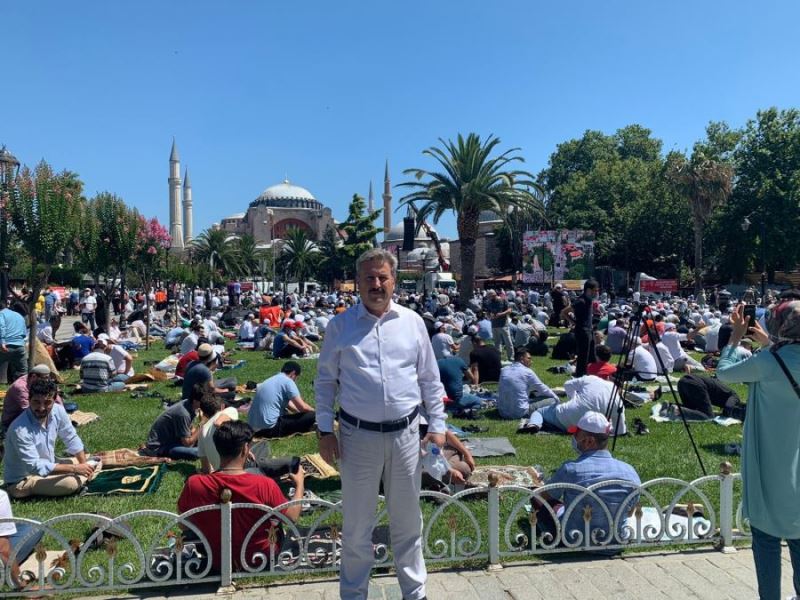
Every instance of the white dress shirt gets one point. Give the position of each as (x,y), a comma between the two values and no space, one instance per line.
(379,369)
(442,344)
(666,357)
(644,364)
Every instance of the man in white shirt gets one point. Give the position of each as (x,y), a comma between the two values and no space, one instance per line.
(123,362)
(682,361)
(378,361)
(441,342)
(584,394)
(660,350)
(88,306)
(643,363)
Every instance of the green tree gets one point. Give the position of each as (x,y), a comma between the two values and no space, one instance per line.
(329,268)
(359,233)
(216,248)
(300,255)
(248,256)
(471,181)
(706,184)
(45,210)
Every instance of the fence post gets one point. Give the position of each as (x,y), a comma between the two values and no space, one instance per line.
(494,523)
(726,509)
(226,552)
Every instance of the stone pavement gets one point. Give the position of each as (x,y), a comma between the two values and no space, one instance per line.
(699,574)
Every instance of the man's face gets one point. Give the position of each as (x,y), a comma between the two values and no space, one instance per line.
(526,359)
(41,406)
(376,285)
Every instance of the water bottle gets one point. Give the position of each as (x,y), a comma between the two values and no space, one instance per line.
(434,464)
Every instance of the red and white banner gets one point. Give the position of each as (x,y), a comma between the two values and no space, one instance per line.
(658,286)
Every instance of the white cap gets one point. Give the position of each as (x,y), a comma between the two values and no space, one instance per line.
(438,325)
(592,422)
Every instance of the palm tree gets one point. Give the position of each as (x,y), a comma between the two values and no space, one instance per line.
(706,184)
(248,255)
(300,254)
(217,249)
(471,181)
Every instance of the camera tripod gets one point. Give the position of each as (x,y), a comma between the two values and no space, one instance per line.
(625,372)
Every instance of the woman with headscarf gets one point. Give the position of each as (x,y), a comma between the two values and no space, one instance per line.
(771,445)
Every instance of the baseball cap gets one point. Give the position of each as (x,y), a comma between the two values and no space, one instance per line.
(41,370)
(472,330)
(288,323)
(592,422)
(437,325)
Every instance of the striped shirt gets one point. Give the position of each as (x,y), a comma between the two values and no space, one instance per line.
(97,369)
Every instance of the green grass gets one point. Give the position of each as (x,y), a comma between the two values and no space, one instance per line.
(125,421)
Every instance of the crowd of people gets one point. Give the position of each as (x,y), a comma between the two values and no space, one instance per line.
(392,366)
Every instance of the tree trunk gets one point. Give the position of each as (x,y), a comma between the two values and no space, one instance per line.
(466,286)
(698,256)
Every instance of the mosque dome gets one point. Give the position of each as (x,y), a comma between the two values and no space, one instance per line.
(396,233)
(286,195)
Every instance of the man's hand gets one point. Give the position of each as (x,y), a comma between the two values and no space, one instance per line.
(329,448)
(83,470)
(298,479)
(436,438)
(758,334)
(457,476)
(467,458)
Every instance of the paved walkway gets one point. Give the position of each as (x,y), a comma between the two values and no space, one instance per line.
(703,574)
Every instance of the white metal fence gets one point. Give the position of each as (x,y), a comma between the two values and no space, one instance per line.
(477,526)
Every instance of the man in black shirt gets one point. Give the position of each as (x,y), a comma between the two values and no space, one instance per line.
(580,318)
(560,302)
(484,361)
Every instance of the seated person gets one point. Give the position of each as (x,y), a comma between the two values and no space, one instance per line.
(98,373)
(232,441)
(617,333)
(666,363)
(30,467)
(462,464)
(484,361)
(537,343)
(11,540)
(593,465)
(247,331)
(172,434)
(602,368)
(566,347)
(699,395)
(299,334)
(285,344)
(643,363)
(452,372)
(269,416)
(174,337)
(441,342)
(82,342)
(517,381)
(673,341)
(584,394)
(214,414)
(16,400)
(200,371)
(123,361)
(190,342)
(185,360)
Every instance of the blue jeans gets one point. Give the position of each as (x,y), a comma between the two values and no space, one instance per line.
(24,549)
(767,557)
(546,415)
(182,453)
(468,401)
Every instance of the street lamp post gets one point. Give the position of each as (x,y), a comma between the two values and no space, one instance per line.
(763,228)
(271,215)
(9,170)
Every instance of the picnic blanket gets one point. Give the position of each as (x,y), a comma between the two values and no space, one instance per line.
(508,475)
(656,416)
(79,418)
(484,447)
(126,480)
(151,375)
(125,457)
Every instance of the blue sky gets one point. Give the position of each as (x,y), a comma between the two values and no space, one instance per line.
(324,91)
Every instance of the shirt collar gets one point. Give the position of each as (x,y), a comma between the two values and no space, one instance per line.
(362,312)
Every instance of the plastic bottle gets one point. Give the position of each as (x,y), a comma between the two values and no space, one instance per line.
(434,464)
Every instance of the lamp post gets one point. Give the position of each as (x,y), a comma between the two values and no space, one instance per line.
(745,226)
(9,170)
(271,215)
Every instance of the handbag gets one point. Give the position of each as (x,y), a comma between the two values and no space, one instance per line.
(785,369)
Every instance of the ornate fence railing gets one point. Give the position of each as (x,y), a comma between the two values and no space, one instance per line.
(152,548)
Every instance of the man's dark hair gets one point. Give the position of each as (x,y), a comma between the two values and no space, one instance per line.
(199,390)
(520,352)
(42,386)
(603,352)
(601,439)
(591,284)
(291,366)
(77,326)
(210,403)
(230,438)
(19,308)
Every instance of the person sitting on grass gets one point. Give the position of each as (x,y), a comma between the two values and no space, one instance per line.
(269,415)
(98,372)
(82,341)
(593,465)
(602,367)
(17,395)
(201,371)
(173,434)
(517,381)
(233,441)
(214,414)
(485,361)
(30,467)
(247,331)
(285,344)
(453,371)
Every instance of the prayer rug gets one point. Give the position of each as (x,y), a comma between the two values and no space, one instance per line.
(507,474)
(125,457)
(126,480)
(79,418)
(485,447)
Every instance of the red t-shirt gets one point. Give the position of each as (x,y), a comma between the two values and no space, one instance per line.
(271,315)
(603,370)
(183,362)
(202,490)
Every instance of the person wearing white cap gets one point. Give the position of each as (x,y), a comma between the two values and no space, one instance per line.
(442,341)
(88,305)
(98,372)
(593,465)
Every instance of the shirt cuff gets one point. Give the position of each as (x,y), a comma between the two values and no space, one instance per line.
(45,468)
(436,425)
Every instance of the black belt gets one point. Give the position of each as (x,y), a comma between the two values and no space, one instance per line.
(386,427)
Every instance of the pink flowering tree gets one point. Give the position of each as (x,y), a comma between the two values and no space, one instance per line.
(106,242)
(45,210)
(152,246)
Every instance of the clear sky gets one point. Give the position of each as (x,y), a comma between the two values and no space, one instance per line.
(325,92)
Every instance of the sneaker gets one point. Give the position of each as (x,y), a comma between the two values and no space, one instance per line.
(639,428)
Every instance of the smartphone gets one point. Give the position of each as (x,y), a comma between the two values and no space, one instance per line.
(750,314)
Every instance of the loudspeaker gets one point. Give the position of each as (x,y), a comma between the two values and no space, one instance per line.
(408,234)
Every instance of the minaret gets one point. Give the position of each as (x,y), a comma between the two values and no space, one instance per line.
(387,203)
(175,228)
(371,209)
(187,209)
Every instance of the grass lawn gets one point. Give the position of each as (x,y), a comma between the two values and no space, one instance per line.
(125,421)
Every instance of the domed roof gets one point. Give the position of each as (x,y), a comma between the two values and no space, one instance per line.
(235,217)
(488,216)
(286,195)
(396,233)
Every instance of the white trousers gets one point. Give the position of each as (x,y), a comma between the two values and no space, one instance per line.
(366,457)
(502,338)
